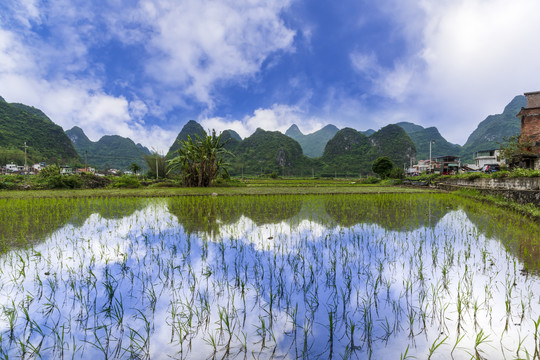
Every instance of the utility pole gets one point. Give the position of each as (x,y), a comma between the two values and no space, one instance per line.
(85,161)
(157,169)
(430,142)
(25,166)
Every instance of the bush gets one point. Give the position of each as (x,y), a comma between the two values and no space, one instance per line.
(228,183)
(371,180)
(126,181)
(382,166)
(164,184)
(397,173)
(91,181)
(524,173)
(50,178)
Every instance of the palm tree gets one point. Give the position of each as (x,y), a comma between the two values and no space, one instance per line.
(200,161)
(135,168)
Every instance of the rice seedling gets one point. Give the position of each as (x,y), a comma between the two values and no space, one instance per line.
(356,276)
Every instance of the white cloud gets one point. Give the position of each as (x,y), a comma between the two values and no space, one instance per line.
(199,43)
(466,59)
(277,118)
(193,45)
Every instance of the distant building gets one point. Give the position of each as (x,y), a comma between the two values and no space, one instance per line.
(446,165)
(422,166)
(66,170)
(530,132)
(486,157)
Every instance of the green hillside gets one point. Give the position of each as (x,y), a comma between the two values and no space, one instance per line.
(46,141)
(492,131)
(351,153)
(312,144)
(111,151)
(421,137)
(191,129)
(392,141)
(266,152)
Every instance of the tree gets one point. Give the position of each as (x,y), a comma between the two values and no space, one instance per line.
(515,145)
(382,167)
(135,168)
(200,161)
(157,165)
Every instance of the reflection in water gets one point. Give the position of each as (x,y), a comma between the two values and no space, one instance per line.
(24,221)
(261,277)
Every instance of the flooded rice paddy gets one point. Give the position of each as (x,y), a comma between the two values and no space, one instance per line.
(258,277)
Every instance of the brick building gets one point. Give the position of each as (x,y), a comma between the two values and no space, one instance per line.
(530,130)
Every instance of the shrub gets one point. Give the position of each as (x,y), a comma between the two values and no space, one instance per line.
(91,181)
(228,183)
(397,173)
(524,173)
(126,181)
(371,180)
(164,184)
(50,178)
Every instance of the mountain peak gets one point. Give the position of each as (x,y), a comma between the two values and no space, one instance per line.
(191,129)
(293,131)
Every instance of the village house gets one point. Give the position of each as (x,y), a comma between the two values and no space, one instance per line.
(66,170)
(446,165)
(530,132)
(11,168)
(486,157)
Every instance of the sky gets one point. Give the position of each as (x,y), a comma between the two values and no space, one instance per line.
(143,68)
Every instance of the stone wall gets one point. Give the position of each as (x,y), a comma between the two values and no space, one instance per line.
(520,190)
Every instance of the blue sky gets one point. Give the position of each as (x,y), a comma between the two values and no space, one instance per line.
(143,68)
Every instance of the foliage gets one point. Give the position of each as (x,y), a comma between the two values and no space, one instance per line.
(111,151)
(313,144)
(191,129)
(51,177)
(382,166)
(518,172)
(371,180)
(135,168)
(200,161)
(221,182)
(46,141)
(397,173)
(91,181)
(515,145)
(421,137)
(492,131)
(265,152)
(155,162)
(126,181)
(352,152)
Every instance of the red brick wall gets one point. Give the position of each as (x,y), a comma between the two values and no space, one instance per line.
(530,129)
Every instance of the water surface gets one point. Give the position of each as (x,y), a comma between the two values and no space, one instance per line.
(268,277)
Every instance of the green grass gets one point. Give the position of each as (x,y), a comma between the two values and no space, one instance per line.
(250,187)
(529,209)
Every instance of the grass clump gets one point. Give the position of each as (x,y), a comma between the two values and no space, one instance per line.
(126,181)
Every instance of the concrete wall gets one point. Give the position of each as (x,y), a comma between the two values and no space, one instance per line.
(520,190)
(533,99)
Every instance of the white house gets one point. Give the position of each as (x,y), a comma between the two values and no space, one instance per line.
(486,157)
(12,168)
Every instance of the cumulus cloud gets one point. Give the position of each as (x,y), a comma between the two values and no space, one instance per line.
(466,59)
(190,48)
(277,118)
(199,43)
